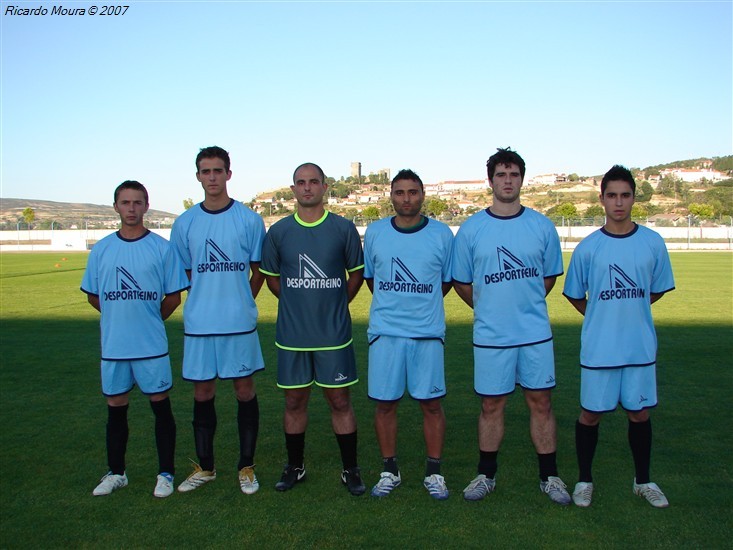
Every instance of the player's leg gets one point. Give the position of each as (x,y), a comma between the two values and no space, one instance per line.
(638,394)
(165,441)
(200,367)
(117,381)
(385,425)
(434,433)
(248,424)
(536,375)
(599,393)
(387,377)
(295,376)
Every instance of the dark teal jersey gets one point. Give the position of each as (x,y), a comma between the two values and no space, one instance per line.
(311,260)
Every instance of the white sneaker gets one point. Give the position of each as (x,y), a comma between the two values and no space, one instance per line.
(197,479)
(652,493)
(435,484)
(583,494)
(248,480)
(386,484)
(556,490)
(110,482)
(163,485)
(479,487)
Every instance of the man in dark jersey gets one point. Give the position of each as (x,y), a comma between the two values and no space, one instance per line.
(306,258)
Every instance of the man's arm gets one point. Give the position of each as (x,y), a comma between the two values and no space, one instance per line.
(353,284)
(169,304)
(256,279)
(656,296)
(273,283)
(446,288)
(549,284)
(370,284)
(93,299)
(465,292)
(579,304)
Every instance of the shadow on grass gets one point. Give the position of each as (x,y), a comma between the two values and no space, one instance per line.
(52,439)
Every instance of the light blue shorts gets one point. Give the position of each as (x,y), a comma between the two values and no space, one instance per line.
(396,363)
(496,371)
(151,376)
(231,356)
(333,368)
(635,388)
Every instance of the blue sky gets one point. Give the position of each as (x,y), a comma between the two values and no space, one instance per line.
(89,101)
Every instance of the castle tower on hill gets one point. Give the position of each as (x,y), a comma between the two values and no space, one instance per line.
(356,170)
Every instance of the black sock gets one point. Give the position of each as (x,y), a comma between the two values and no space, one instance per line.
(295,444)
(640,441)
(389,464)
(117,434)
(548,465)
(347,445)
(432,466)
(248,423)
(586,440)
(487,463)
(165,435)
(204,429)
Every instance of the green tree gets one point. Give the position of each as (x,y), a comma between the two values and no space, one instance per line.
(639,211)
(594,211)
(187,203)
(644,192)
(434,207)
(371,212)
(704,211)
(29,215)
(567,210)
(573,177)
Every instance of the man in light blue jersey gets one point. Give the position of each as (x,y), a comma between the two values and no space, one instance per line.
(615,274)
(505,261)
(306,258)
(407,261)
(134,279)
(220,242)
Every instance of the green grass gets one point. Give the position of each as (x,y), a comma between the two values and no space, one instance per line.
(53,415)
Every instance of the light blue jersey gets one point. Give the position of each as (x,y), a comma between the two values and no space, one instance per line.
(131,278)
(217,247)
(507,259)
(408,268)
(618,274)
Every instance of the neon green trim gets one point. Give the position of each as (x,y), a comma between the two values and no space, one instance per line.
(331,348)
(313,224)
(308,385)
(330,386)
(269,273)
(357,268)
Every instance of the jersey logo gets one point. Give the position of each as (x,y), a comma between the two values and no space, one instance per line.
(125,280)
(622,286)
(214,253)
(127,288)
(311,276)
(216,260)
(403,280)
(511,268)
(308,269)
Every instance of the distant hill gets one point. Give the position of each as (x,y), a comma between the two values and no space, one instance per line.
(66,214)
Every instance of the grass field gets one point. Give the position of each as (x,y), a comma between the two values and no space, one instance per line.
(53,424)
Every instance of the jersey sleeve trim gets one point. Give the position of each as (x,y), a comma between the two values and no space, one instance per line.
(270,273)
(357,268)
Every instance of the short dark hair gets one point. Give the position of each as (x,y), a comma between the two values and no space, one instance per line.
(131,184)
(407,174)
(618,172)
(213,152)
(504,157)
(314,165)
